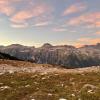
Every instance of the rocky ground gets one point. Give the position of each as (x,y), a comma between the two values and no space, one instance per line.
(21,66)
(26,81)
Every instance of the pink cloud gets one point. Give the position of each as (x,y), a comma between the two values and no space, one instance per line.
(74,8)
(6,8)
(39,13)
(34,11)
(92,19)
(21,16)
(75,21)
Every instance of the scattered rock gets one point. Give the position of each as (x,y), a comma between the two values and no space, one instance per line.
(90,91)
(4,87)
(73,95)
(62,99)
(27,85)
(49,94)
(32,99)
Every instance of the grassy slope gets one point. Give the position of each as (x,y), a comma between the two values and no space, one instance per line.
(49,86)
(25,86)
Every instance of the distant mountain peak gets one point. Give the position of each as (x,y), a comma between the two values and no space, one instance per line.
(98,44)
(92,46)
(15,45)
(47,45)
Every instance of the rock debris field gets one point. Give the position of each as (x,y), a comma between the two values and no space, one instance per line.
(19,66)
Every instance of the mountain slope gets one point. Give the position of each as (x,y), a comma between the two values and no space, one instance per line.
(6,56)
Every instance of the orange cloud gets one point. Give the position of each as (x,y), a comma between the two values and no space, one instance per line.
(94,41)
(86,41)
(98,33)
(74,8)
(78,45)
(89,40)
(97,24)
(92,19)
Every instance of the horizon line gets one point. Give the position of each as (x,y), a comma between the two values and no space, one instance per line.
(50,44)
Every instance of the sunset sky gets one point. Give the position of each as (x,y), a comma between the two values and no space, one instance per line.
(59,22)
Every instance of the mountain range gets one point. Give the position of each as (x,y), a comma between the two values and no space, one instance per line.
(63,55)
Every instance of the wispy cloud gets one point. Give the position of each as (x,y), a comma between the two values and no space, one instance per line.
(41,24)
(92,19)
(21,25)
(33,11)
(74,8)
(60,29)
(43,20)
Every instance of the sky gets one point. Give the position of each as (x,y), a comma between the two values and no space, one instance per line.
(58,22)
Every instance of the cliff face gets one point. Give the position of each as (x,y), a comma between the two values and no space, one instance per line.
(63,55)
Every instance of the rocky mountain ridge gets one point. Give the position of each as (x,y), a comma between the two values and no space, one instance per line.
(64,55)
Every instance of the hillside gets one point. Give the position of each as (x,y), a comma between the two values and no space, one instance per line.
(63,55)
(21,80)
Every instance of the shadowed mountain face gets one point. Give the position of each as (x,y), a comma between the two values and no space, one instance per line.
(7,56)
(63,55)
